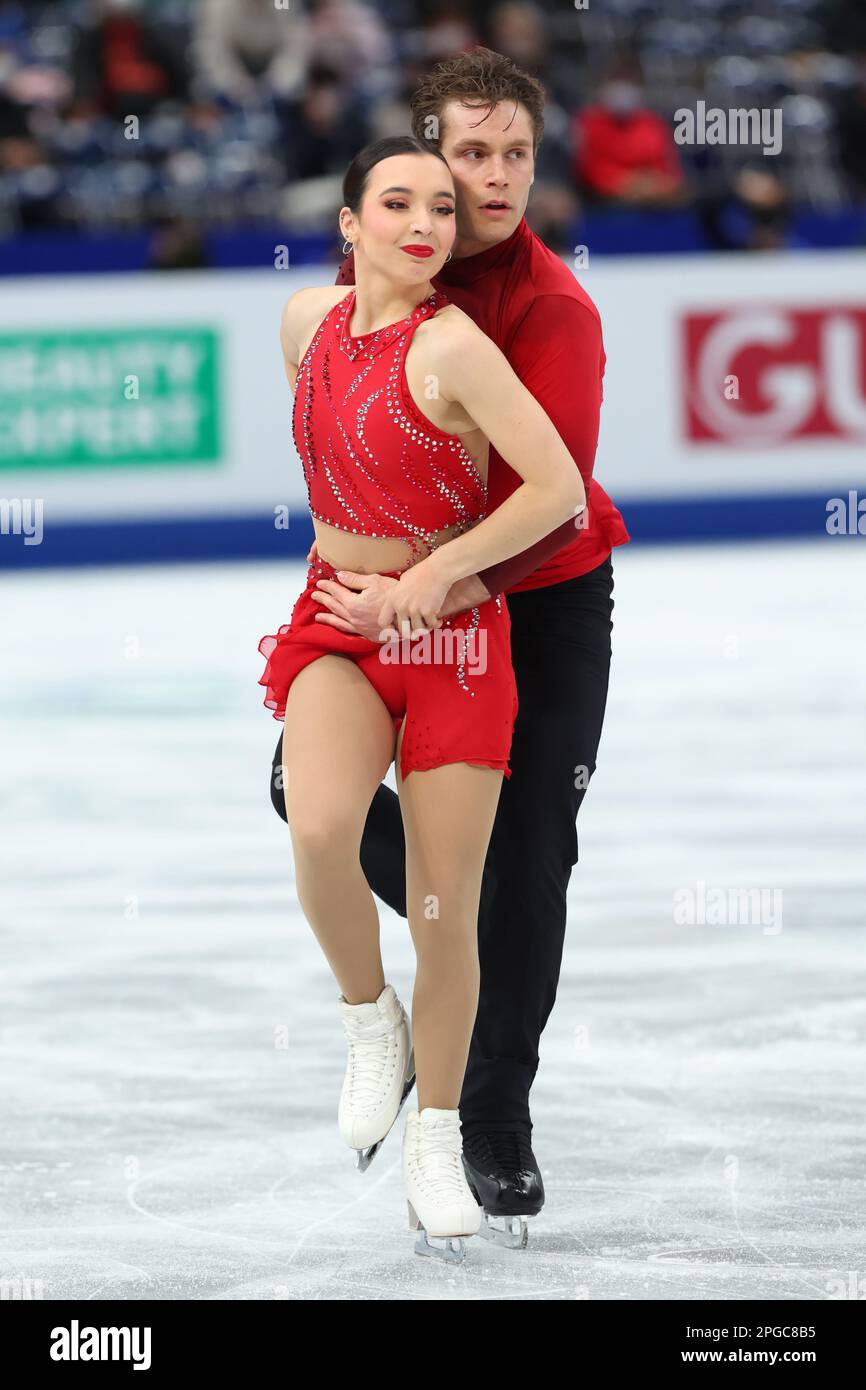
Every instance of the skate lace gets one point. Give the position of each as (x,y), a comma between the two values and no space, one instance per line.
(509,1151)
(370,1060)
(436,1162)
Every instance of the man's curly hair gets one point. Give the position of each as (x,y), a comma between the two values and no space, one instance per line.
(478,78)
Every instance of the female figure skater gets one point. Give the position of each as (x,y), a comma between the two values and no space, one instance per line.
(397,395)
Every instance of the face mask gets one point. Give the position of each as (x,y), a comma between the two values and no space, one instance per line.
(621,97)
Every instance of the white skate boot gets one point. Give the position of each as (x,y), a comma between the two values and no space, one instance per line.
(440,1202)
(380,1072)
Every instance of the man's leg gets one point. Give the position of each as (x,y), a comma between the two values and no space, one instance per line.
(560,642)
(383,846)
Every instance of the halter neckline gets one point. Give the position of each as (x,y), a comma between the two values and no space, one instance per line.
(369,344)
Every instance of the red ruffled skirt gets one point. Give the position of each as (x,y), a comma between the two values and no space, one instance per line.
(454,687)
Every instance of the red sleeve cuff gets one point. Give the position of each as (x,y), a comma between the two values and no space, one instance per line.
(504,575)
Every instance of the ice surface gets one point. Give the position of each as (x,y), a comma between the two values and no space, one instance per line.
(172,1055)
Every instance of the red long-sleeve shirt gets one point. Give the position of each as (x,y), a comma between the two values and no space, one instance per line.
(527,300)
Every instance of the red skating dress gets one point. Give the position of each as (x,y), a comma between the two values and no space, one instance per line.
(376,466)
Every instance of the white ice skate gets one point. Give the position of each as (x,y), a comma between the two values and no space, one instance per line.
(380,1072)
(440,1202)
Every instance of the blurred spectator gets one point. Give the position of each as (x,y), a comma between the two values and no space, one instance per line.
(552,213)
(445,29)
(351,37)
(178,244)
(321,133)
(27,173)
(763,205)
(323,129)
(518,29)
(13,113)
(244,49)
(123,65)
(442,30)
(29,94)
(751,211)
(625,153)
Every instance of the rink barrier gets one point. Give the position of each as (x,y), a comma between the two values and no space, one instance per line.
(771,516)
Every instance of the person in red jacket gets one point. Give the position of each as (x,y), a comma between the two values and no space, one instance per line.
(487,115)
(624,152)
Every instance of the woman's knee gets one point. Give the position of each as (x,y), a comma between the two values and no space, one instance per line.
(449,884)
(447,945)
(447,917)
(325,832)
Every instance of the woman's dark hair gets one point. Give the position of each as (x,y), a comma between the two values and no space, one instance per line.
(355,180)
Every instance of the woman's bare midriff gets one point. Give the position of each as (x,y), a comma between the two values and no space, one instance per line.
(372,554)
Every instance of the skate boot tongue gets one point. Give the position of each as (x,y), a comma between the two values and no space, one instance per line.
(373,1018)
(431,1118)
(440,1138)
(364,1013)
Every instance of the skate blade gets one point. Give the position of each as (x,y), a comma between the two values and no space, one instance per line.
(366,1156)
(509,1231)
(449,1249)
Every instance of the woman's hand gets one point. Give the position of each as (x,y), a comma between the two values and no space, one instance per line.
(313,553)
(351,611)
(416,599)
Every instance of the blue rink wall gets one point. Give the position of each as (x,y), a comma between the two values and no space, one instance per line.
(172,540)
(146,418)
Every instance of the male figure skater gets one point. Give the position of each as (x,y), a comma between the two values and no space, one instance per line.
(486,116)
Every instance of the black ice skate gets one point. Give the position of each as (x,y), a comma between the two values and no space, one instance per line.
(505,1180)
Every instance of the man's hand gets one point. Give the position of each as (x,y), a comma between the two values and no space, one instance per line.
(413,605)
(356,612)
(354,606)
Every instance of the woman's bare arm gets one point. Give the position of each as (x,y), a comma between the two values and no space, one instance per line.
(473,373)
(289,340)
(295,321)
(302,313)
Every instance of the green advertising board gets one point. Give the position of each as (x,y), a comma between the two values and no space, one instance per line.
(99,398)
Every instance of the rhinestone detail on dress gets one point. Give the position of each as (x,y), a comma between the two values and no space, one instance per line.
(374,465)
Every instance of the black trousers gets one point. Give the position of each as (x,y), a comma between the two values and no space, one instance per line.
(561,648)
